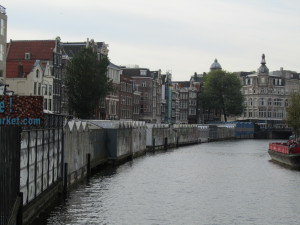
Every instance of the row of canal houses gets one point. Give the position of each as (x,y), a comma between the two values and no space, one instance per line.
(38,67)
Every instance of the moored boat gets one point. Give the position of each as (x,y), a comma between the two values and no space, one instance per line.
(285,154)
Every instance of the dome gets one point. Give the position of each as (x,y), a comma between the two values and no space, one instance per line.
(215,65)
(263,69)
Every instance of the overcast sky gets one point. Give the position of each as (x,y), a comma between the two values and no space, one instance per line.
(182,36)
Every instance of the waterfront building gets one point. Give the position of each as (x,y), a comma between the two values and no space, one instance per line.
(3,37)
(166,106)
(143,82)
(31,78)
(35,68)
(184,104)
(267,95)
(126,98)
(175,112)
(157,95)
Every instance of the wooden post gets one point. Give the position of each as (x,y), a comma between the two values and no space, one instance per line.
(65,178)
(166,144)
(20,210)
(153,144)
(88,166)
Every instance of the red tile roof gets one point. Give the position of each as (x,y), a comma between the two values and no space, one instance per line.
(41,50)
(12,68)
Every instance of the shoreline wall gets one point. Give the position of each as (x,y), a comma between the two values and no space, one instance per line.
(93,143)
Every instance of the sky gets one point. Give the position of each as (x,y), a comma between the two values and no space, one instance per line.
(178,36)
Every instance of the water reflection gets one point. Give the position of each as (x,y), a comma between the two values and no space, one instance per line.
(230,182)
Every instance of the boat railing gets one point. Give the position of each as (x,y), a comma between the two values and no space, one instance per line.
(284,148)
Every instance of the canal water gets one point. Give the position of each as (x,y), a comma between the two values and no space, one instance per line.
(228,182)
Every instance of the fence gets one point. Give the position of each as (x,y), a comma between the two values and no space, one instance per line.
(41,157)
(9,171)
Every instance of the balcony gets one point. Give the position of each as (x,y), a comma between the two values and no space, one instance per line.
(2,9)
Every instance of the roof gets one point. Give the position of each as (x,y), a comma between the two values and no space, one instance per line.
(73,48)
(38,49)
(136,72)
(182,84)
(215,65)
(12,68)
(114,66)
(263,69)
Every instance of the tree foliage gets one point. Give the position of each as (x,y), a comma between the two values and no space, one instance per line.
(222,92)
(86,82)
(293,113)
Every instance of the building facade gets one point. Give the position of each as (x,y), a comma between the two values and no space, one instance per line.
(267,95)
(143,83)
(31,78)
(126,98)
(35,68)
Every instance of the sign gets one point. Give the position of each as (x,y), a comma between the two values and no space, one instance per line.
(21,110)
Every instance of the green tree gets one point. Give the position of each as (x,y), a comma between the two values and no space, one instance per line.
(86,82)
(222,92)
(293,113)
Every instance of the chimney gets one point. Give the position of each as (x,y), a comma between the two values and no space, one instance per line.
(20,70)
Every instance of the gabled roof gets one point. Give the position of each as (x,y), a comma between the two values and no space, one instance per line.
(38,49)
(12,68)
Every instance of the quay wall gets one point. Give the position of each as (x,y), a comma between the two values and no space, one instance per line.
(55,160)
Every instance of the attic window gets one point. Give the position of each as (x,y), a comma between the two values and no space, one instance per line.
(143,72)
(27,55)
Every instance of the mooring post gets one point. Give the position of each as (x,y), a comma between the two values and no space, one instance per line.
(166,143)
(20,210)
(65,178)
(153,144)
(88,166)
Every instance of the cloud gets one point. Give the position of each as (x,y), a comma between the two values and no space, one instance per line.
(182,35)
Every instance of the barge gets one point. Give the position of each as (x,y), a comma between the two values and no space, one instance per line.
(285,154)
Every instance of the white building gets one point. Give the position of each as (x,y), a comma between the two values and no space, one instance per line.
(32,79)
(267,95)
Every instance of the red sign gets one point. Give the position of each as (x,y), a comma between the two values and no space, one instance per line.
(21,110)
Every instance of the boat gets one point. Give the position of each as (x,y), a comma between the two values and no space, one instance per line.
(285,154)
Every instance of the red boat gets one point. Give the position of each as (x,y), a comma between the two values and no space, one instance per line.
(285,154)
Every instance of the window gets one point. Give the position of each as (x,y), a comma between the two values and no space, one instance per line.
(286,103)
(1,52)
(255,102)
(50,89)
(27,55)
(269,101)
(143,72)
(2,25)
(37,73)
(39,89)
(34,88)
(261,102)
(45,103)
(46,89)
